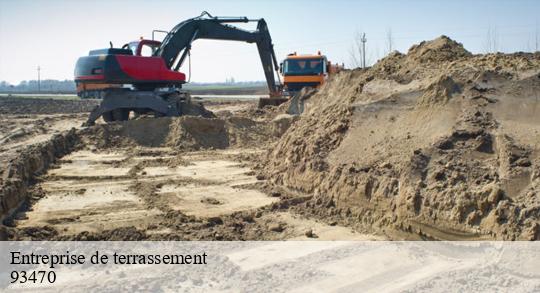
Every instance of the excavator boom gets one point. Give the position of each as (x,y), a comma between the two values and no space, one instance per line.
(177,44)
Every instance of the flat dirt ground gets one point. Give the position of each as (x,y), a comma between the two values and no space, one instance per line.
(147,179)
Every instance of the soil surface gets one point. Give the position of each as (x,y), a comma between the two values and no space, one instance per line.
(436,143)
(185,178)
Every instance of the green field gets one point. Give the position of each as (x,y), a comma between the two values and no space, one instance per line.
(38,96)
(226,89)
(194,89)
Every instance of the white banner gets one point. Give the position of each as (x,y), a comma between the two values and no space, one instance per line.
(295,266)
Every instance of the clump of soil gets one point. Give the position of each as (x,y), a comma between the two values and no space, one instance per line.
(439,92)
(437,142)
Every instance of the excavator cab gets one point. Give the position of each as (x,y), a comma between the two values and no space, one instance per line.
(144,48)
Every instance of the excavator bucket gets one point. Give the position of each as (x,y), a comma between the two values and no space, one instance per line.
(298,100)
(274,101)
(296,107)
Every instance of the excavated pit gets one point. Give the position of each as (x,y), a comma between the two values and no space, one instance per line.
(89,191)
(166,178)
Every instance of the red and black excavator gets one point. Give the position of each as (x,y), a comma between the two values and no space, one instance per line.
(152,83)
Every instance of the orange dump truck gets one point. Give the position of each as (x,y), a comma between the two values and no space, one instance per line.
(301,71)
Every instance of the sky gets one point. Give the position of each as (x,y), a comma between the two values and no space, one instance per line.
(53,34)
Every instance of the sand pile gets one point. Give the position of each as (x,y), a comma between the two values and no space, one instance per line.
(436,142)
(442,49)
(186,133)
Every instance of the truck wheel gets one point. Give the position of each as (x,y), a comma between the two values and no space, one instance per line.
(120,114)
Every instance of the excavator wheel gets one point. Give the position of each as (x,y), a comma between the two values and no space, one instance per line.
(158,114)
(120,114)
(116,115)
(108,117)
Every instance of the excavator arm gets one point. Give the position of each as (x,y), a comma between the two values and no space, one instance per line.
(177,44)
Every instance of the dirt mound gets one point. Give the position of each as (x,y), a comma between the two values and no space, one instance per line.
(31,162)
(441,49)
(432,142)
(15,105)
(445,56)
(186,132)
(196,109)
(440,91)
(194,133)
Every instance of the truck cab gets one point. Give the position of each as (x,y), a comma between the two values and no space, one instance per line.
(301,71)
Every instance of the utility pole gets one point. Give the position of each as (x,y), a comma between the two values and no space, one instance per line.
(38,79)
(363,40)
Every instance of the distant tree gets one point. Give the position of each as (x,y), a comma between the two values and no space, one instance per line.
(357,52)
(46,85)
(375,54)
(536,38)
(491,43)
(389,40)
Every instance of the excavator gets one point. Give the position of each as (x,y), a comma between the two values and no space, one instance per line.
(148,70)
